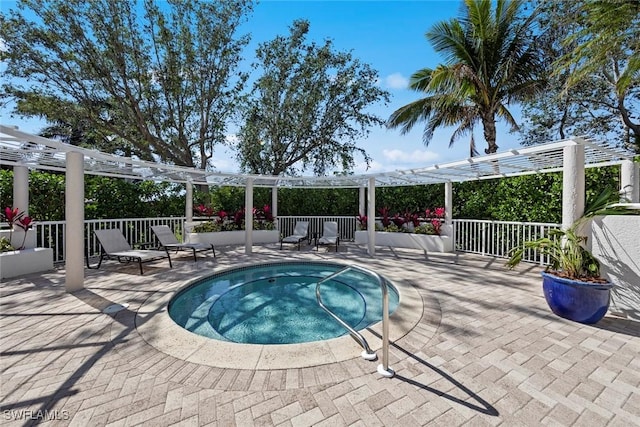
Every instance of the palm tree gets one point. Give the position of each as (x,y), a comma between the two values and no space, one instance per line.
(490,61)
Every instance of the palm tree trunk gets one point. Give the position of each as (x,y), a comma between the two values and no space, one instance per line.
(489,125)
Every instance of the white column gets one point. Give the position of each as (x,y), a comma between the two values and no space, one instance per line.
(21,189)
(371,216)
(572,184)
(188,202)
(274,202)
(629,182)
(248,216)
(448,203)
(74,216)
(361,195)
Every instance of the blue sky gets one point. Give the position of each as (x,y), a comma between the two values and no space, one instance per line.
(388,35)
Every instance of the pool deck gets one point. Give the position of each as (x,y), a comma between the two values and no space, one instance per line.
(480,348)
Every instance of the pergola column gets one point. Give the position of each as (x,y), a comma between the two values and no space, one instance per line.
(361,195)
(188,203)
(274,202)
(629,181)
(21,189)
(74,217)
(572,184)
(371,216)
(448,203)
(248,216)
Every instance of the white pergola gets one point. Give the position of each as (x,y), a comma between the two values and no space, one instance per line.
(24,151)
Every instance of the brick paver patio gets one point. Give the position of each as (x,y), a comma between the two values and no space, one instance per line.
(486,351)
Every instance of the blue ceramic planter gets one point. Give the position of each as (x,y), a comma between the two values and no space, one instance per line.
(574,300)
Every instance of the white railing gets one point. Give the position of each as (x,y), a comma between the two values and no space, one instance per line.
(497,238)
(51,234)
(490,238)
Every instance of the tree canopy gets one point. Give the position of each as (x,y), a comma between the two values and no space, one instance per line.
(308,108)
(162,78)
(591,54)
(490,62)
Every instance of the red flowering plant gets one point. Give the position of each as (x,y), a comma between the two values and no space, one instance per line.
(263,220)
(435,220)
(14,217)
(362,222)
(430,222)
(384,212)
(203,210)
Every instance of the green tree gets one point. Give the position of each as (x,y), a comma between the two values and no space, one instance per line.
(308,108)
(580,97)
(163,78)
(490,61)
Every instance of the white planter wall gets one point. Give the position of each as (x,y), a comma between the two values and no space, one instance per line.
(18,235)
(429,243)
(225,238)
(25,261)
(615,242)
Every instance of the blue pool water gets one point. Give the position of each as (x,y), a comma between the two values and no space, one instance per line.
(276,303)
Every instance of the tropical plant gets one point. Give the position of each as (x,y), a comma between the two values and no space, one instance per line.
(263,219)
(565,249)
(14,217)
(490,62)
(409,222)
(5,245)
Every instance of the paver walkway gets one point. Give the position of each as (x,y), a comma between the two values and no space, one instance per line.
(487,351)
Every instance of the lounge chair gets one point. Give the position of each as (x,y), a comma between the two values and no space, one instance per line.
(329,235)
(300,233)
(168,240)
(114,245)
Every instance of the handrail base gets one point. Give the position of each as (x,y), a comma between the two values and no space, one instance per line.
(387,373)
(369,356)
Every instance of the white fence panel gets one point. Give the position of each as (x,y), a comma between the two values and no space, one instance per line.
(498,238)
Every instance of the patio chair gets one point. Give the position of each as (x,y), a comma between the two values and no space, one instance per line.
(168,240)
(115,246)
(300,233)
(329,235)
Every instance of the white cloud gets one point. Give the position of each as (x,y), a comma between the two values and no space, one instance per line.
(424,157)
(396,81)
(374,167)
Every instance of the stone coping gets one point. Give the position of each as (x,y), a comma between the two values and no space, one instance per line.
(161,332)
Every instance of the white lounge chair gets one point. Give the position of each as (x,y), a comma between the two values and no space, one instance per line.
(114,245)
(300,233)
(168,240)
(329,235)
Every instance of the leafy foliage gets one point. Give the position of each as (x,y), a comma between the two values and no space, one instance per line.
(566,249)
(535,198)
(308,108)
(161,80)
(590,51)
(490,61)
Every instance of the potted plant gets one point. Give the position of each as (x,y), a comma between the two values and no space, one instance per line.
(572,284)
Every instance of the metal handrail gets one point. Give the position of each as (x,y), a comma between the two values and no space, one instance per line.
(367,353)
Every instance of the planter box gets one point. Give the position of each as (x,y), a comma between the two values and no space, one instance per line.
(25,261)
(226,238)
(18,236)
(429,243)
